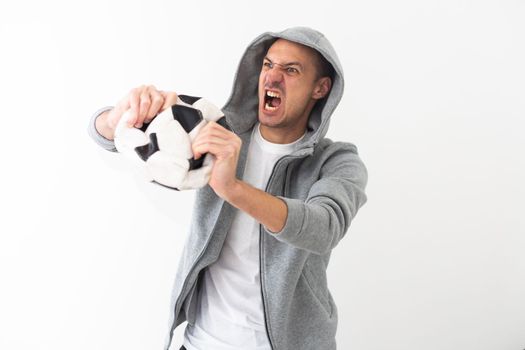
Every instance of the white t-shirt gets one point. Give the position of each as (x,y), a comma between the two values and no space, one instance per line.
(230,314)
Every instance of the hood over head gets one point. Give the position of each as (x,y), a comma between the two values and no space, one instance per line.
(241,109)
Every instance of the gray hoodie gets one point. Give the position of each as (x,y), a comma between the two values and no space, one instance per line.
(322,183)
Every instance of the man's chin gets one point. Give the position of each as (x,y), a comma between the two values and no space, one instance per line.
(268,120)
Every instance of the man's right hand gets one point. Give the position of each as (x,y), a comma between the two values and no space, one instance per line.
(144,103)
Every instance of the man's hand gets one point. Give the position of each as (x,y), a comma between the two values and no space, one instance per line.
(144,103)
(225,146)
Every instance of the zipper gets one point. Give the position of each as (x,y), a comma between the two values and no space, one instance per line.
(265,307)
(261,238)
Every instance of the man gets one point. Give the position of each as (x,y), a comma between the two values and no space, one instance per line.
(280,197)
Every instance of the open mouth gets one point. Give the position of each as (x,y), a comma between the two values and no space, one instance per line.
(272,100)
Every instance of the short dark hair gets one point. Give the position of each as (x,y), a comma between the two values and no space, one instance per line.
(322,66)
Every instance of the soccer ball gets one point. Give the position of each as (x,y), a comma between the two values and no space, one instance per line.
(162,148)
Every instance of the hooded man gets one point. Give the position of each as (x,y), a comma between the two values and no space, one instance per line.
(280,197)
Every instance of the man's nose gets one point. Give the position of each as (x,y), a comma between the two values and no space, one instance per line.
(274,75)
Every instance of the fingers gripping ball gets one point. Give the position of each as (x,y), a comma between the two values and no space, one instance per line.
(162,148)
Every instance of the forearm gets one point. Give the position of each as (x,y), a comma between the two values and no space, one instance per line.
(269,210)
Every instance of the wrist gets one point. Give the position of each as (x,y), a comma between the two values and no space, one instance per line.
(234,191)
(103,127)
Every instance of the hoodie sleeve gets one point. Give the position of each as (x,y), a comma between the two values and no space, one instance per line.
(99,139)
(318,223)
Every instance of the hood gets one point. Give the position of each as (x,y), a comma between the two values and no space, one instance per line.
(241,109)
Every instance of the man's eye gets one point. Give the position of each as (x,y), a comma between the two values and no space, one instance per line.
(267,64)
(292,70)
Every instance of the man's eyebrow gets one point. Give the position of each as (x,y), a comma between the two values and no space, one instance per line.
(285,64)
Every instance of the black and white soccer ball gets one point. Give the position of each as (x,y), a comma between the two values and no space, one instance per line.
(162,150)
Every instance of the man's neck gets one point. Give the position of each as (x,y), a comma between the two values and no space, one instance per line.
(281,135)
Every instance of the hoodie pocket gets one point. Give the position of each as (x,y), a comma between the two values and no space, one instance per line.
(317,284)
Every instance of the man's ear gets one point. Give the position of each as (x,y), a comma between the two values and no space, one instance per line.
(322,88)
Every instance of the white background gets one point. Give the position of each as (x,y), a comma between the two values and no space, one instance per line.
(435,102)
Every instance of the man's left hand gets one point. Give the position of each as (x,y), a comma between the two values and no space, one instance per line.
(225,146)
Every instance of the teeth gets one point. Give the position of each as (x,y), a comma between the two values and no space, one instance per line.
(269,108)
(272,94)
